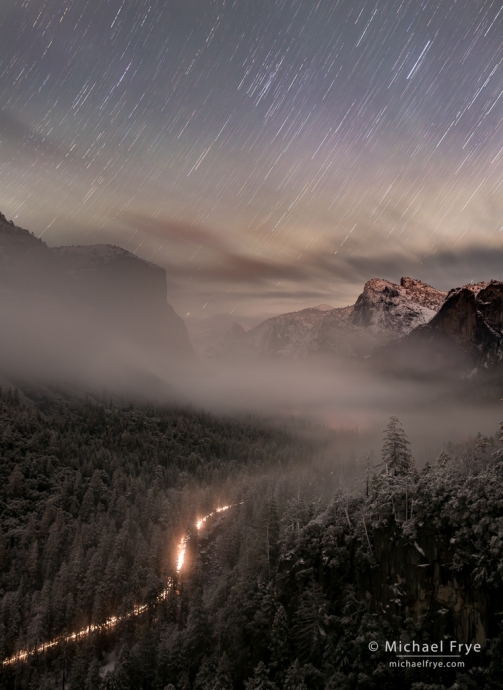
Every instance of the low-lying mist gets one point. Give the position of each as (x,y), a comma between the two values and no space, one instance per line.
(48,342)
(344,395)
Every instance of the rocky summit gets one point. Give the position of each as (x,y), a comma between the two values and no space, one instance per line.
(383,312)
(466,333)
(410,327)
(395,310)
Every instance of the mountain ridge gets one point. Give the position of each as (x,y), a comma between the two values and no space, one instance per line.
(384,311)
(76,303)
(466,333)
(408,327)
(399,326)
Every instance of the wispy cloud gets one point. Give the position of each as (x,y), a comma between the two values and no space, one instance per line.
(171,230)
(14,129)
(309,277)
(235,268)
(444,269)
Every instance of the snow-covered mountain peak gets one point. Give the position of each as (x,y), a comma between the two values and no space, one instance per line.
(383,312)
(422,293)
(394,310)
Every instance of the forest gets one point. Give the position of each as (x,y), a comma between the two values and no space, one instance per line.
(285,590)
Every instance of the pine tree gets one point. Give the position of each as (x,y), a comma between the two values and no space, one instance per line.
(309,629)
(223,680)
(294,679)
(280,646)
(392,488)
(396,456)
(443,459)
(176,660)
(368,461)
(3,551)
(206,675)
(123,670)
(145,658)
(295,516)
(260,680)
(93,680)
(79,672)
(197,635)
(270,532)
(494,672)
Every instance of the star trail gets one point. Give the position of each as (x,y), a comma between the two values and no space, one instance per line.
(270,154)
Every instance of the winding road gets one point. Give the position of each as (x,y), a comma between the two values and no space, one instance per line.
(110,623)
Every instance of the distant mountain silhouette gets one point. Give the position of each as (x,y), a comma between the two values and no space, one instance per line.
(89,301)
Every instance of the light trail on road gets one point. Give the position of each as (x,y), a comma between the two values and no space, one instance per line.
(110,623)
(182,546)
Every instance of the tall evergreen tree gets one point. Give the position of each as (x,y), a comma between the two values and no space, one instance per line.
(294,679)
(309,629)
(280,644)
(123,670)
(270,532)
(260,680)
(396,456)
(205,677)
(79,672)
(197,635)
(223,680)
(93,680)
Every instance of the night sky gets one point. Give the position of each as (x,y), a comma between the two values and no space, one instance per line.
(270,154)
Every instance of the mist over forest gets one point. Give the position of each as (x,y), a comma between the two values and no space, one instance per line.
(96,319)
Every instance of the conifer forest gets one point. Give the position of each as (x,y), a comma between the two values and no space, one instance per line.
(285,588)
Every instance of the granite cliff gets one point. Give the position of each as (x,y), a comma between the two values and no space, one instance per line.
(383,312)
(77,305)
(128,293)
(465,335)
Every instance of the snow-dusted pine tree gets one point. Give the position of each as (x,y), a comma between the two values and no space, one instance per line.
(396,456)
(392,488)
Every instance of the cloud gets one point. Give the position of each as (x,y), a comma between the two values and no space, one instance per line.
(444,269)
(13,129)
(239,269)
(316,296)
(261,288)
(310,277)
(224,265)
(176,231)
(472,263)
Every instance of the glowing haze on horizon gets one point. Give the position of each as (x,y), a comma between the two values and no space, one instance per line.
(270,154)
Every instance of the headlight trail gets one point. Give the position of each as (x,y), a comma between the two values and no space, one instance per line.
(24,654)
(113,621)
(182,546)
